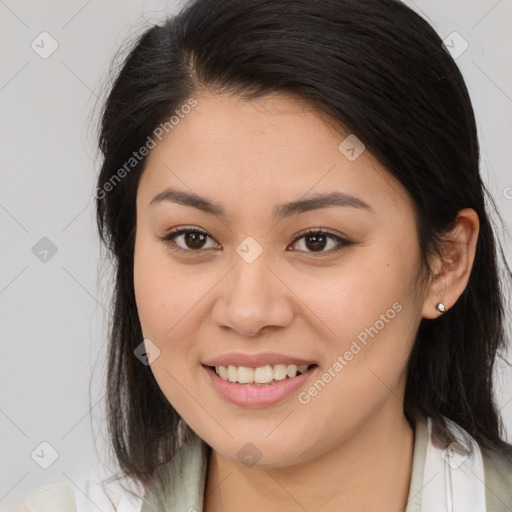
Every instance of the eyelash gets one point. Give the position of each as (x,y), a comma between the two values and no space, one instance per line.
(169,240)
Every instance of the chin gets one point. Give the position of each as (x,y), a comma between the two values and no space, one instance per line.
(258,449)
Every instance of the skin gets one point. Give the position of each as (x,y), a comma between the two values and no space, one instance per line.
(351,446)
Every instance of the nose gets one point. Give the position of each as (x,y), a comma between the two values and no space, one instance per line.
(253,299)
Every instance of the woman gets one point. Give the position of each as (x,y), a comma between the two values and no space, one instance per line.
(307,300)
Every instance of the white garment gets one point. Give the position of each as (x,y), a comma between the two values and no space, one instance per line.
(87,496)
(453,480)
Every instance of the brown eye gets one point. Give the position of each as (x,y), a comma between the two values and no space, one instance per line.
(316,241)
(193,240)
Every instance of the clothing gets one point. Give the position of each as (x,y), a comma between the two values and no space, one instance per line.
(442,480)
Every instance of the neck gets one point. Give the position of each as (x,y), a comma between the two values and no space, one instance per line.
(371,470)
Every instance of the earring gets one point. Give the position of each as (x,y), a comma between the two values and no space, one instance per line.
(440,306)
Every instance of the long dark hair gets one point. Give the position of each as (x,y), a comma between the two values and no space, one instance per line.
(378,69)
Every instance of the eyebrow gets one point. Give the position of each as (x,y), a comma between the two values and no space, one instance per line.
(280,211)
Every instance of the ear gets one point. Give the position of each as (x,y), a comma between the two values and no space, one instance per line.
(451,273)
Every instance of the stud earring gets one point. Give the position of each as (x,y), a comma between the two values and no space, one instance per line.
(441,307)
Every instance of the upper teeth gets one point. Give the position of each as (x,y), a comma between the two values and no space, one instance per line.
(260,375)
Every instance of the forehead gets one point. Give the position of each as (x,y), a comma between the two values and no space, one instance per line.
(277,147)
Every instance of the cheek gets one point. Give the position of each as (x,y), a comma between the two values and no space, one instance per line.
(369,319)
(171,300)
(150,295)
(354,296)
(162,303)
(371,316)
(161,291)
(165,301)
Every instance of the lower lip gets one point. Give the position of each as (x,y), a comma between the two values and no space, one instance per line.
(247,395)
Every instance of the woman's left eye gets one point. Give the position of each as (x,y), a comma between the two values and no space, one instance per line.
(194,240)
(318,239)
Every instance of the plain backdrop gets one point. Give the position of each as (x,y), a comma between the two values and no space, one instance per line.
(53,305)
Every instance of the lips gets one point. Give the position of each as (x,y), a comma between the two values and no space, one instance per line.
(258,395)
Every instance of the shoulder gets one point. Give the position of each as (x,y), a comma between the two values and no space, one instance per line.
(496,473)
(458,471)
(179,483)
(498,480)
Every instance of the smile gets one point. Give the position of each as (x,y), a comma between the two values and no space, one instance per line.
(268,374)
(250,392)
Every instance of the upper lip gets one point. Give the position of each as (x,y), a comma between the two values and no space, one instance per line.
(256,360)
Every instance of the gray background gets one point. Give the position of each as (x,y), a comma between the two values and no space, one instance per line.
(53,312)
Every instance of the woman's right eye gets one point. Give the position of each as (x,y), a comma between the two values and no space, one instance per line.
(193,240)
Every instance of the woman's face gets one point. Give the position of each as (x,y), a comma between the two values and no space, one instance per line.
(254,285)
